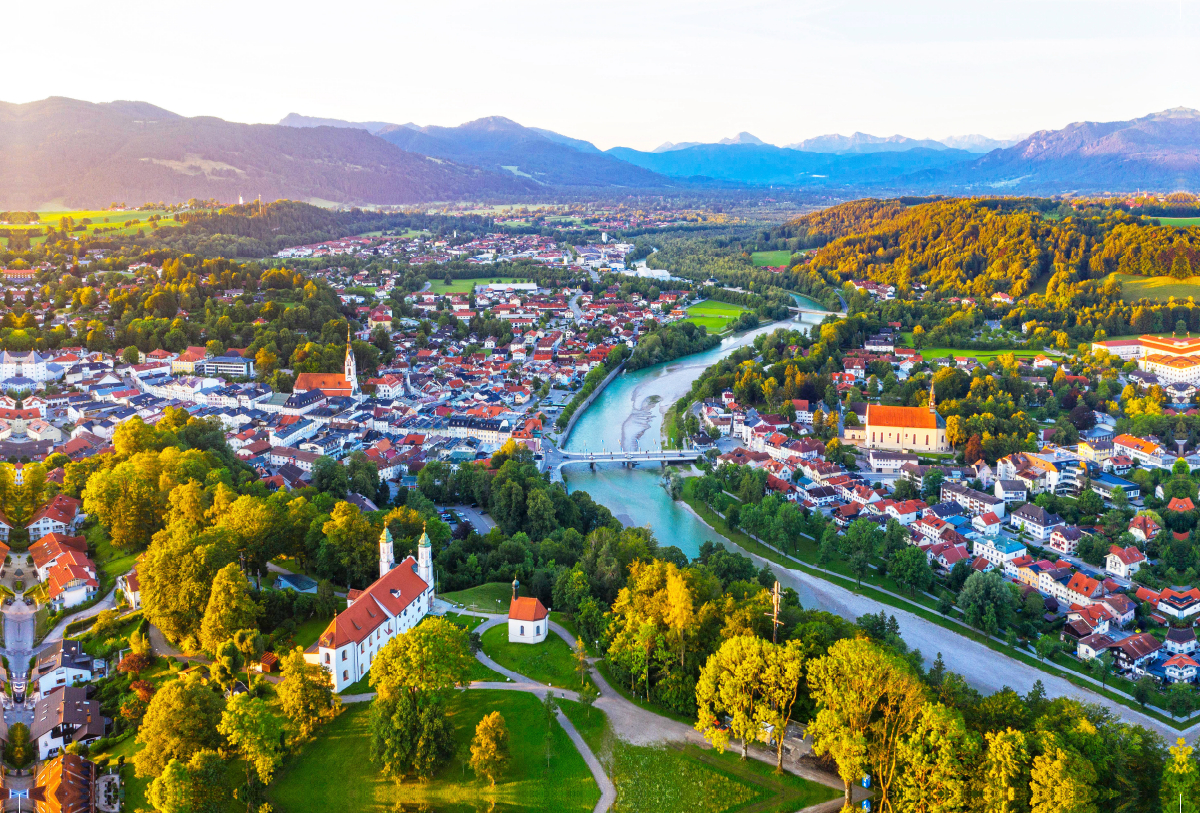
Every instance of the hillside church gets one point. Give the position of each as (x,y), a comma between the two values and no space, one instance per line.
(898,429)
(393,604)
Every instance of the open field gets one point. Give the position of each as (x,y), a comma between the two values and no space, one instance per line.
(466,286)
(713,315)
(772,258)
(983,355)
(106,222)
(1182,222)
(549,662)
(689,779)
(1134,288)
(335,772)
(493,597)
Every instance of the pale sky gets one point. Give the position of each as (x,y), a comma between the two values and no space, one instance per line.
(623,72)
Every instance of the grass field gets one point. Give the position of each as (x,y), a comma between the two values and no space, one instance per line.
(983,355)
(1134,288)
(713,315)
(493,597)
(689,779)
(549,662)
(772,258)
(466,286)
(108,222)
(335,772)
(1182,222)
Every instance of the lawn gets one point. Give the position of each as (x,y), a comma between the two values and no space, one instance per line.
(113,222)
(466,286)
(771,258)
(549,662)
(112,562)
(334,772)
(713,315)
(1134,287)
(689,779)
(493,597)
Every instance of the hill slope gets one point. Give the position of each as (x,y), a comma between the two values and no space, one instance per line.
(82,154)
(499,144)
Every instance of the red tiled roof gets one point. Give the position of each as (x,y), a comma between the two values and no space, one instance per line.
(526,608)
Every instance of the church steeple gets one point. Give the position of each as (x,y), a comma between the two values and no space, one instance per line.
(387,557)
(425,559)
(350,370)
(932,401)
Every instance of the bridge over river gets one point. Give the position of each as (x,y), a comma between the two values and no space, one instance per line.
(554,458)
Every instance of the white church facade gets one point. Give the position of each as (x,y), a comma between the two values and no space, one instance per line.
(395,603)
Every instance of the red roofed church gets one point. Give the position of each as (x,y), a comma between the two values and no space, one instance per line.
(528,620)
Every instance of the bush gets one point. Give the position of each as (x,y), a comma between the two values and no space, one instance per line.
(133,663)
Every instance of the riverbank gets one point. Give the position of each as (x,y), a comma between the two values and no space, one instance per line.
(969,652)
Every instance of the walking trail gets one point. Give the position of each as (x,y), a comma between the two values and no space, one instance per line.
(631,723)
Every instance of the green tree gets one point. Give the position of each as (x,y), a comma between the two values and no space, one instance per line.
(1062,781)
(181,719)
(432,657)
(230,608)
(250,727)
(1181,780)
(489,747)
(210,786)
(226,665)
(729,686)
(1004,775)
(909,566)
(171,792)
(940,759)
(305,694)
(410,734)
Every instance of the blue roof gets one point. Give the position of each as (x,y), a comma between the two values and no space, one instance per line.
(295,581)
(1007,545)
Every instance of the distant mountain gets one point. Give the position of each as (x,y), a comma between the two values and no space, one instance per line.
(500,144)
(1160,152)
(67,152)
(763,164)
(978,143)
(743,138)
(372,127)
(667,146)
(865,143)
(574,143)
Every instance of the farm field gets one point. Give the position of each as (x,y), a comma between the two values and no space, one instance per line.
(466,286)
(102,220)
(713,315)
(335,772)
(1134,288)
(772,258)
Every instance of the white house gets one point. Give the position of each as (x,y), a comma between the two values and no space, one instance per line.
(1124,562)
(393,604)
(63,717)
(998,550)
(63,664)
(528,621)
(131,586)
(1180,669)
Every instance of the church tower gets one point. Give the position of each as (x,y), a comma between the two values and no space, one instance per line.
(932,404)
(387,557)
(425,559)
(351,370)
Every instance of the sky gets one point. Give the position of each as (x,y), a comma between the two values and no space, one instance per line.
(632,73)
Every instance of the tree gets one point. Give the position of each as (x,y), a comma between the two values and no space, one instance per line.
(1047,647)
(1143,689)
(18,750)
(909,566)
(982,591)
(305,693)
(1181,780)
(172,791)
(779,684)
(1063,781)
(226,665)
(940,758)
(1004,774)
(181,719)
(729,686)
(867,700)
(230,608)
(410,734)
(489,747)
(588,695)
(432,657)
(251,728)
(974,450)
(210,793)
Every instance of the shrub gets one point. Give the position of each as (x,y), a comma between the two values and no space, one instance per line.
(133,663)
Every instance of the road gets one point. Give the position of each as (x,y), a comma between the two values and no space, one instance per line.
(480,521)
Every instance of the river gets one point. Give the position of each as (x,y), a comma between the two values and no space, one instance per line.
(629,415)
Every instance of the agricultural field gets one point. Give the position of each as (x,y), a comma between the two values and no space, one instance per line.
(771,258)
(1161,289)
(466,286)
(713,315)
(335,772)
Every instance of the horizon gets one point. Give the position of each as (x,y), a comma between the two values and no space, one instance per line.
(638,75)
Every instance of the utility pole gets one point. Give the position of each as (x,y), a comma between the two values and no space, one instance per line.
(774,614)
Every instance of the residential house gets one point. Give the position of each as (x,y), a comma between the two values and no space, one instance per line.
(65,716)
(1180,669)
(63,663)
(1123,562)
(1035,521)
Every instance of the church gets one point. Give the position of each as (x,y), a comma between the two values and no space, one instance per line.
(333,385)
(395,603)
(896,428)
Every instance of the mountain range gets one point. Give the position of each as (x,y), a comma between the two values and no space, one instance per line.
(64,152)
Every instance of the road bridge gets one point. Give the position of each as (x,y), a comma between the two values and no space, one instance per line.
(555,459)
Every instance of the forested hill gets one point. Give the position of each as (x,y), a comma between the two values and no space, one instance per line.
(980,246)
(88,155)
